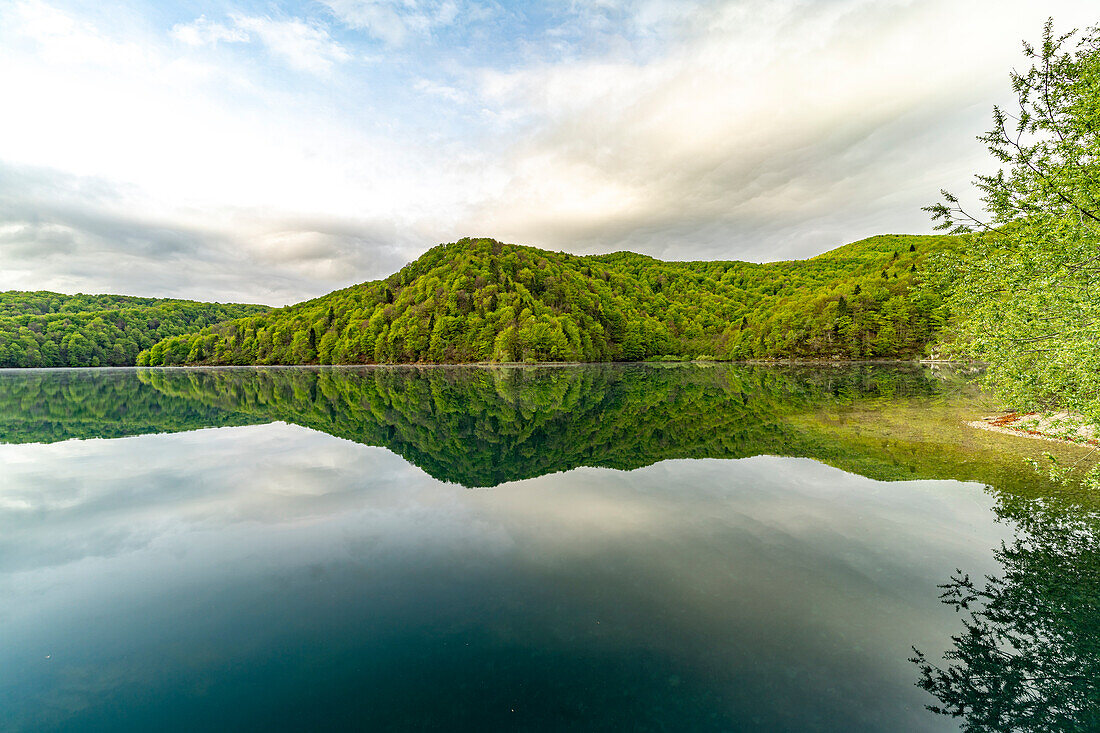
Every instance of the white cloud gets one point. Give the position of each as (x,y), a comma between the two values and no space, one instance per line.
(138,160)
(395,21)
(202,32)
(73,235)
(303,45)
(38,20)
(188,175)
(450,93)
(59,38)
(779,130)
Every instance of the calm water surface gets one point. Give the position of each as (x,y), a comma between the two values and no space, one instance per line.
(589,548)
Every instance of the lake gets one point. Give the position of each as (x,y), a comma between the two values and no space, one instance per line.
(617,547)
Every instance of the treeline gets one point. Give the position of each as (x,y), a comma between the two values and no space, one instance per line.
(480,300)
(44,329)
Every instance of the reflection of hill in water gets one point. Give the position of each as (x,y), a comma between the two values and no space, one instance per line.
(1027,655)
(52,405)
(483,427)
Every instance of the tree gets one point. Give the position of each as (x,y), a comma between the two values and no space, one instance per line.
(1025,295)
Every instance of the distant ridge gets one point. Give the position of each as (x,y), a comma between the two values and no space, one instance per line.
(480,300)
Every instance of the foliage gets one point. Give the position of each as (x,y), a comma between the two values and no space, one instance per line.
(478,300)
(44,329)
(1026,291)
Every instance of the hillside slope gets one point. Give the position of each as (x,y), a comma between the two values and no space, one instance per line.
(481,300)
(45,329)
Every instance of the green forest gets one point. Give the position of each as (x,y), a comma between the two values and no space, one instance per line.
(44,329)
(479,300)
(1025,293)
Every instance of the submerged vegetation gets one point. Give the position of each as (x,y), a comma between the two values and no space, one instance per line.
(479,300)
(44,329)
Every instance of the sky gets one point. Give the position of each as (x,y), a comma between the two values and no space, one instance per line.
(273,151)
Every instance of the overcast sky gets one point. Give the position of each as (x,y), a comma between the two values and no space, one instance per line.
(272,151)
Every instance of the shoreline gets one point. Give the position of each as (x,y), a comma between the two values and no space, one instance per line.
(1037,426)
(492,364)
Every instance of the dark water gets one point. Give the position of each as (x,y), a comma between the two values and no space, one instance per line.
(596,548)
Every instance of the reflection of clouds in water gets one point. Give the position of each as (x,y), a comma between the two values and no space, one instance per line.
(77,687)
(723,535)
(796,499)
(740,569)
(110,497)
(82,686)
(65,501)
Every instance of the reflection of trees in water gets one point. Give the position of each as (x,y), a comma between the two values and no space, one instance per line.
(48,406)
(483,427)
(1028,657)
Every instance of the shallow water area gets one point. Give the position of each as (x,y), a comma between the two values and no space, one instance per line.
(594,548)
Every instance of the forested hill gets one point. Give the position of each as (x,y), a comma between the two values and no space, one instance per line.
(481,300)
(44,329)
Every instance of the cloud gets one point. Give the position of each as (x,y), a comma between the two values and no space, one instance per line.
(72,235)
(395,21)
(445,91)
(180,160)
(776,131)
(175,175)
(203,32)
(303,45)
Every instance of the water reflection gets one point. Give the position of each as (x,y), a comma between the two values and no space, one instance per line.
(482,427)
(1028,656)
(272,577)
(53,405)
(266,575)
